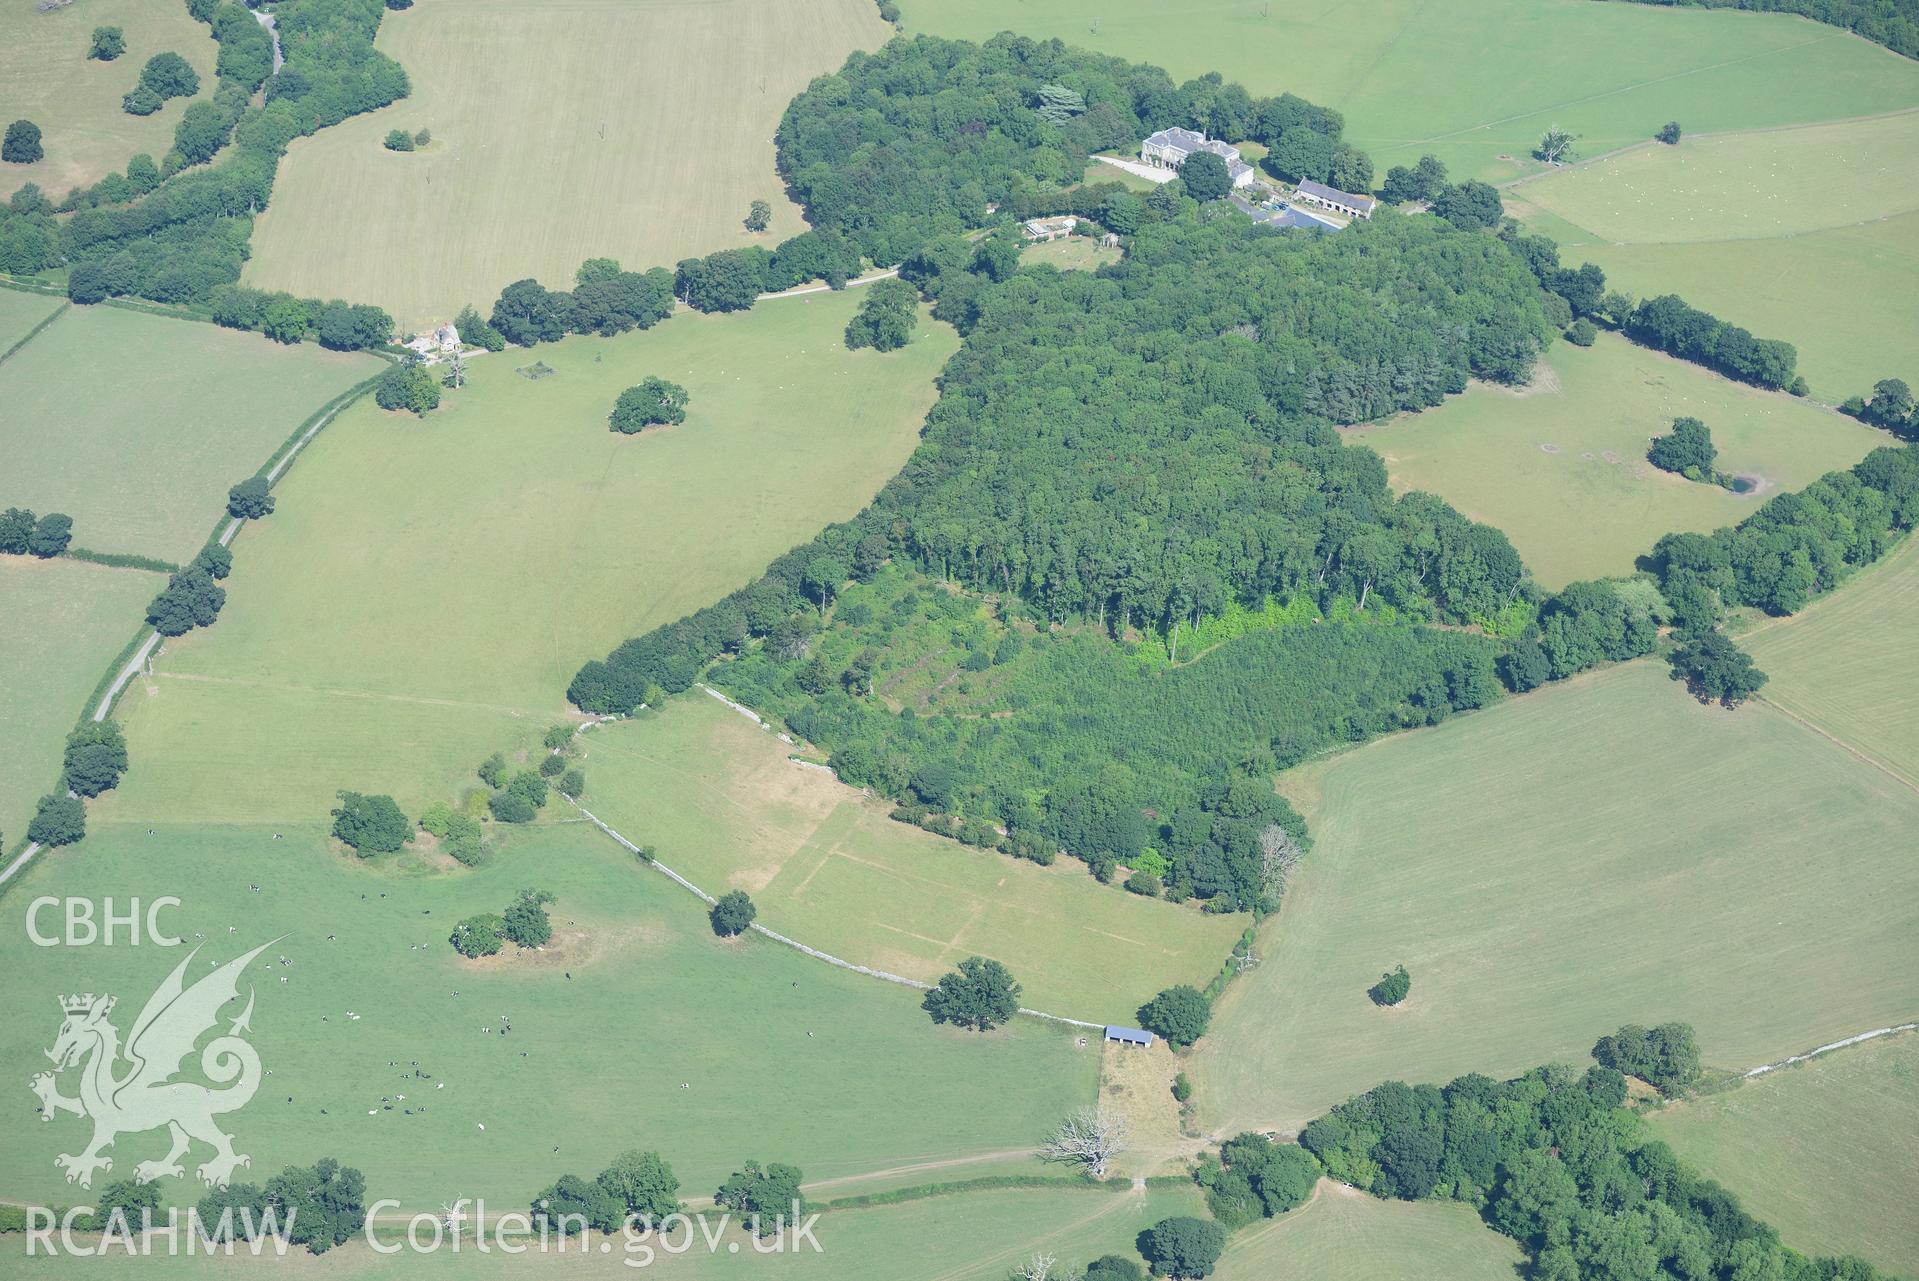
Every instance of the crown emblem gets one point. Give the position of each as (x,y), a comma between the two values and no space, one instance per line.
(81,1004)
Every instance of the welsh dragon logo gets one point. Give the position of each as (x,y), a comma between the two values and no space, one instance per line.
(126,1090)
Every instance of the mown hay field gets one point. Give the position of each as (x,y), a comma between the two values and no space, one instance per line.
(1601,852)
(61,623)
(1345,1235)
(1843,664)
(1561,466)
(136,425)
(427,587)
(723,803)
(1822,1151)
(561,131)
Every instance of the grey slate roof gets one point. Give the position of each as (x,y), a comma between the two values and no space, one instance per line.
(1321,191)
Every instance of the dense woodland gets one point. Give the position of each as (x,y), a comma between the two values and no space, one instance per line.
(1892,23)
(922,136)
(1552,1160)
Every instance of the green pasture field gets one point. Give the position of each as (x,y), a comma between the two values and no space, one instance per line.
(1600,852)
(1477,81)
(20,311)
(597,128)
(1754,184)
(1822,1151)
(1345,1235)
(427,587)
(727,808)
(934,1239)
(1842,664)
(62,623)
(46,77)
(1847,297)
(1561,466)
(136,425)
(636,1026)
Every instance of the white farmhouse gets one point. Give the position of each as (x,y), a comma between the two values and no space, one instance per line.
(1169,149)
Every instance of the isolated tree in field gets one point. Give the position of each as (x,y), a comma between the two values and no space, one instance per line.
(250,499)
(141,101)
(96,757)
(1179,1014)
(1114,1267)
(398,140)
(886,317)
(1669,133)
(644,1184)
(653,402)
(479,935)
(981,994)
(1665,1057)
(422,137)
(732,914)
(108,44)
(769,1196)
(1206,176)
(1183,1247)
(22,143)
(758,215)
(1392,987)
(1555,146)
(1891,405)
(1038,1268)
(57,820)
(1687,449)
(370,824)
(50,536)
(1716,670)
(526,921)
(408,386)
(1090,1138)
(16,527)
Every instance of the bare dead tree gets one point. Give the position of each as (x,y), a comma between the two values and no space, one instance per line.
(1089,1138)
(1279,856)
(1037,1268)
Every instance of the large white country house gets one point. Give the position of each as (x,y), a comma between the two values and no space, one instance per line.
(1170,148)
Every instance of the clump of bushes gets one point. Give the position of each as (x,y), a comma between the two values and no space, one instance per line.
(1665,1057)
(886,317)
(654,402)
(166,75)
(525,923)
(407,386)
(24,534)
(457,831)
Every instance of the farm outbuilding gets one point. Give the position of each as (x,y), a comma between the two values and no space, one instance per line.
(1128,1035)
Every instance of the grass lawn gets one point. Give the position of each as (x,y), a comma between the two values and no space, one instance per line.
(1561,466)
(971,1236)
(726,807)
(1344,1235)
(1822,1151)
(136,425)
(1074,253)
(63,622)
(46,77)
(639,131)
(1477,81)
(20,311)
(1843,665)
(1600,852)
(784,1058)
(427,588)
